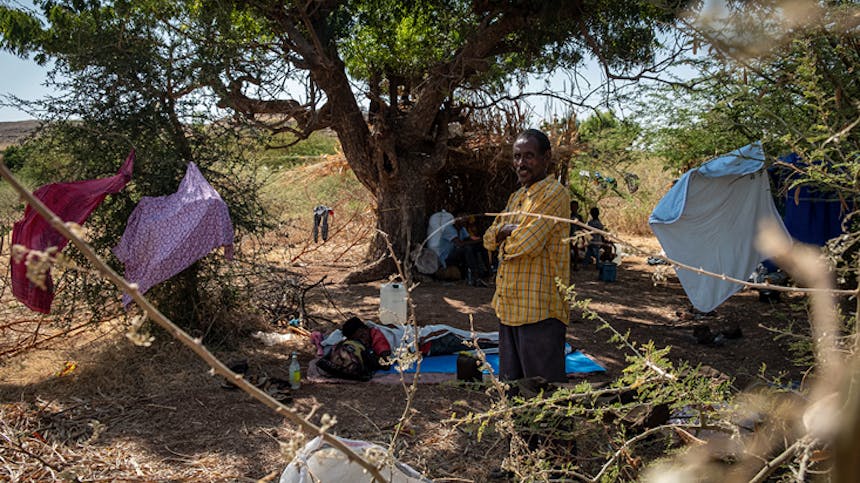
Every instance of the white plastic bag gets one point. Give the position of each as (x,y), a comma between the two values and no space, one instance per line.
(320,462)
(274,338)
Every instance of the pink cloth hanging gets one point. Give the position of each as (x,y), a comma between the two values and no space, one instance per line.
(166,234)
(73,201)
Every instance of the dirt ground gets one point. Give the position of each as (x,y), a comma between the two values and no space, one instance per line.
(141,413)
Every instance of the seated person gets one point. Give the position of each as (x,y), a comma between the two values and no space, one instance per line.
(577,243)
(469,253)
(597,241)
(441,235)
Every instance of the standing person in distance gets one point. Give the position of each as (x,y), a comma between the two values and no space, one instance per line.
(533,254)
(593,250)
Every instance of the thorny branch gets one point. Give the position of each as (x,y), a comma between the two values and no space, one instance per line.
(721,276)
(192,343)
(412,389)
(827,397)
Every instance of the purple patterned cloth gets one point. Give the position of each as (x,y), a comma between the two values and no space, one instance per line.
(166,234)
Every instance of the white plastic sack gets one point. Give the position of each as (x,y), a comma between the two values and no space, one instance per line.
(274,338)
(320,462)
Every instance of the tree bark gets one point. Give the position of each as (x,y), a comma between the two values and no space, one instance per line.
(401,211)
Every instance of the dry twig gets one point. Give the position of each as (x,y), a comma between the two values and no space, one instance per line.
(193,343)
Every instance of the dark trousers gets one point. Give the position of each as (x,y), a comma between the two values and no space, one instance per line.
(472,256)
(593,251)
(532,350)
(321,218)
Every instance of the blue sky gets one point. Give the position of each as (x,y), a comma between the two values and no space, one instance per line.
(22,78)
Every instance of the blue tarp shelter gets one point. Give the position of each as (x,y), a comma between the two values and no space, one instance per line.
(811,215)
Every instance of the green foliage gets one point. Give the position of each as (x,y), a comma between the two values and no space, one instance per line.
(692,134)
(20,31)
(599,419)
(599,432)
(401,39)
(801,97)
(608,152)
(14,158)
(10,206)
(129,83)
(319,144)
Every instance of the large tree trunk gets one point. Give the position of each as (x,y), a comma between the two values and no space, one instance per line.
(401,217)
(396,162)
(394,153)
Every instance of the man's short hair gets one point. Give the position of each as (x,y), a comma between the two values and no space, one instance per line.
(540,138)
(351,326)
(595,212)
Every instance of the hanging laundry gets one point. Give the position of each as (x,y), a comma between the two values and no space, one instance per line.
(709,219)
(321,214)
(166,234)
(71,202)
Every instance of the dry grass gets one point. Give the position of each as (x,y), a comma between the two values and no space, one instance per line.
(630,216)
(133,413)
(143,414)
(293,194)
(127,413)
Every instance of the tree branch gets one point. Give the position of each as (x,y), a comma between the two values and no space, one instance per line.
(192,343)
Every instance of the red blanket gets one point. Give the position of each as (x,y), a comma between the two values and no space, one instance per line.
(73,201)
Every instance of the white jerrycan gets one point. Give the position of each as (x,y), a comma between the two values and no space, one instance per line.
(392,303)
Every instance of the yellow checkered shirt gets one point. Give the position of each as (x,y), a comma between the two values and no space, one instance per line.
(533,256)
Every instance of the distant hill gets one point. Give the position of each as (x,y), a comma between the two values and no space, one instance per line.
(12,132)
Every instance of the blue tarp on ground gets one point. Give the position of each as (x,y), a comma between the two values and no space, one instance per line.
(574,362)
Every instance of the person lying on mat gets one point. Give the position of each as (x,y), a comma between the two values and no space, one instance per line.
(359,348)
(380,349)
(433,340)
(359,353)
(376,345)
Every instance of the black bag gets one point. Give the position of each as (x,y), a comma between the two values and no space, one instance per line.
(348,359)
(467,368)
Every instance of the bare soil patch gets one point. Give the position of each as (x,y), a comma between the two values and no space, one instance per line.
(138,413)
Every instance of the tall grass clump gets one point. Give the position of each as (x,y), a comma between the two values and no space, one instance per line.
(292,194)
(628,213)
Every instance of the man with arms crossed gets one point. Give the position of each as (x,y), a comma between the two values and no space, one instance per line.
(532,312)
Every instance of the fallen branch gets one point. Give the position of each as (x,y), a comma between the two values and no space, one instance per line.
(192,343)
(775,463)
(634,440)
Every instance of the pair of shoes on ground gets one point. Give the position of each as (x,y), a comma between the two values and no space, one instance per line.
(278,389)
